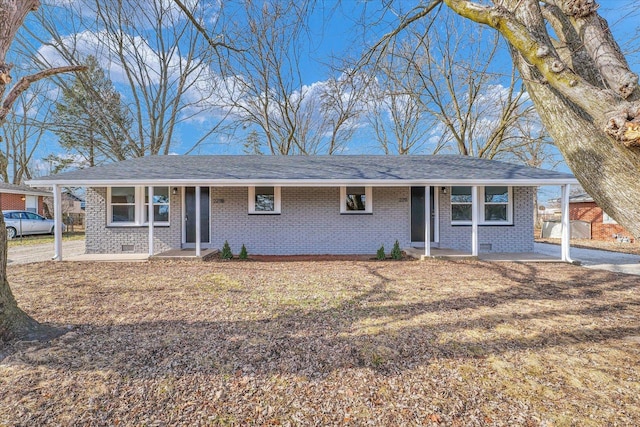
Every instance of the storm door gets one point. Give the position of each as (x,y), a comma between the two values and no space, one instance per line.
(190,214)
(417,215)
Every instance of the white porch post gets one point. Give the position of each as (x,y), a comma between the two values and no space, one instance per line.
(427,221)
(566,224)
(151,218)
(57,227)
(198,221)
(474,220)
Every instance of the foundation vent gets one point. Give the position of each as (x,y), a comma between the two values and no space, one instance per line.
(127,248)
(485,247)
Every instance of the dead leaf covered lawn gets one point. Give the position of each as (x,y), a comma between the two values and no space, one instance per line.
(325,343)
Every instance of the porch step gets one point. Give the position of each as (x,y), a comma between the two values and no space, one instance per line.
(185,254)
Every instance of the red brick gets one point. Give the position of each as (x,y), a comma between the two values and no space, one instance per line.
(591,213)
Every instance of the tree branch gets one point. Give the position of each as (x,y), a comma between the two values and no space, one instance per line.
(540,55)
(602,47)
(214,44)
(26,81)
(384,41)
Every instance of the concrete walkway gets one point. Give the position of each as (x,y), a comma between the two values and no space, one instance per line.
(596,259)
(28,253)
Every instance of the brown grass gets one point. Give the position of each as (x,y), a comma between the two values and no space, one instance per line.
(325,343)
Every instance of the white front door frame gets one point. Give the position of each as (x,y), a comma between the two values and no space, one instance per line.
(436,216)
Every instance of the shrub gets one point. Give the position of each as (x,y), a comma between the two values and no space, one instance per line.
(396,253)
(380,254)
(243,253)
(226,251)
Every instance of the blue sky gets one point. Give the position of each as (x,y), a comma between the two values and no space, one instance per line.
(336,31)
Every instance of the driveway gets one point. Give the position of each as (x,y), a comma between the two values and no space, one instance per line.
(43,252)
(596,259)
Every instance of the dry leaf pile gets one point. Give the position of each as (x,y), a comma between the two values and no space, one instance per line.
(331,342)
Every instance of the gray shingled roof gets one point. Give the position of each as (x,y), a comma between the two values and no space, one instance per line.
(22,189)
(238,170)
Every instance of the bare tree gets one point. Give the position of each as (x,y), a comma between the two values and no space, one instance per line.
(13,321)
(268,94)
(23,131)
(397,115)
(157,59)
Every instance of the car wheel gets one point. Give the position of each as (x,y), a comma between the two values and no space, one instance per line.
(53,230)
(11,233)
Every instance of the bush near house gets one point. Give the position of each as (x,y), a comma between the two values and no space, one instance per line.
(226,251)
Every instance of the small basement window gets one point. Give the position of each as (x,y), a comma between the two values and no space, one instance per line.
(354,200)
(264,200)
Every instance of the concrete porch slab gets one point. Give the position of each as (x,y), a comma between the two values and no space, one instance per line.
(108,257)
(445,253)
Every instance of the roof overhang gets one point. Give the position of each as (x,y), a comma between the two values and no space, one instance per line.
(28,192)
(303,183)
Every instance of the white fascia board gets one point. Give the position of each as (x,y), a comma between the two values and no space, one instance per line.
(300,183)
(29,192)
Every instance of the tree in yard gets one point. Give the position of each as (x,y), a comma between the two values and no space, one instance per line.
(268,95)
(23,131)
(441,81)
(91,119)
(583,89)
(13,321)
(162,66)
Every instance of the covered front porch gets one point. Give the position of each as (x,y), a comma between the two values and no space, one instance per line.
(476,206)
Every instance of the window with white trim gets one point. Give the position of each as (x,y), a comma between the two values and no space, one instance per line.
(160,205)
(496,205)
(460,204)
(129,206)
(355,200)
(264,200)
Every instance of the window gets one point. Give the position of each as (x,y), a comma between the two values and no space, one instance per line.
(460,204)
(160,204)
(123,205)
(354,200)
(264,200)
(129,206)
(495,205)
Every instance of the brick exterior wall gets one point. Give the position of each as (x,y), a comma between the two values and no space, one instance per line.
(9,201)
(310,223)
(592,213)
(502,238)
(101,238)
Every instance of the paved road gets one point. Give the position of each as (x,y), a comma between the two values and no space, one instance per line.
(596,259)
(42,252)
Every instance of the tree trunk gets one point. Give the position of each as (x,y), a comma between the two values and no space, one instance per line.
(595,122)
(15,323)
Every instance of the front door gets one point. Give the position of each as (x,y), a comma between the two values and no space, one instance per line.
(190,214)
(417,214)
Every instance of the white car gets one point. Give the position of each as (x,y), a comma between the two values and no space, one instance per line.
(21,223)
